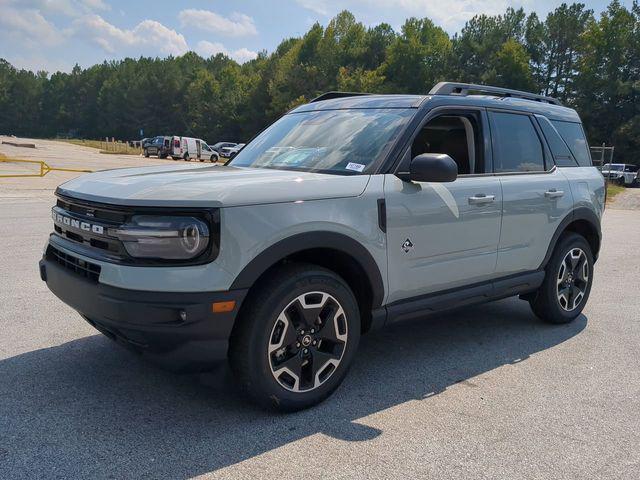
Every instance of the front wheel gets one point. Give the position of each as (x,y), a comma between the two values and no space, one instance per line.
(567,283)
(296,337)
(146,153)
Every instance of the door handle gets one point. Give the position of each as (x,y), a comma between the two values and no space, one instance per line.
(553,193)
(481,199)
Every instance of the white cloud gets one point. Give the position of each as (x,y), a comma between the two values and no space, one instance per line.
(28,27)
(208,49)
(317,6)
(237,25)
(148,37)
(243,55)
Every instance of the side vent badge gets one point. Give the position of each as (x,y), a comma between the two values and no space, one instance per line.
(407,246)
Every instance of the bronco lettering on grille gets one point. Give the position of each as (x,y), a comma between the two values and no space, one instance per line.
(77,224)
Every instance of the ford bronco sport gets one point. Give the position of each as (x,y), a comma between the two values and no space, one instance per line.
(348,213)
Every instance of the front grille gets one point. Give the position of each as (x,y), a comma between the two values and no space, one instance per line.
(77,221)
(93,211)
(85,269)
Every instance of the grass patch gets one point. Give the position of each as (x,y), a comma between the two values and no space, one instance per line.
(105,147)
(613,190)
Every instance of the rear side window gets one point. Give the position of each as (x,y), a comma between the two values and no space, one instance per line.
(561,153)
(516,144)
(573,135)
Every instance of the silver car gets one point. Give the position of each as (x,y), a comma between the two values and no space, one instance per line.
(347,214)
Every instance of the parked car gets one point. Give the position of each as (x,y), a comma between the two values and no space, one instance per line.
(189,148)
(159,146)
(621,173)
(220,145)
(347,214)
(230,152)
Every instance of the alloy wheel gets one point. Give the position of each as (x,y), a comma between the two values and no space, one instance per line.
(308,341)
(573,279)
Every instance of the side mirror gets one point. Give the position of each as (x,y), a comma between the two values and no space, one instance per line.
(433,167)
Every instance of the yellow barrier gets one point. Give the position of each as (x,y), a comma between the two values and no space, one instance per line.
(44,168)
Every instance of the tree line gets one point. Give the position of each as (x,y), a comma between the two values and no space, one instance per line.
(589,61)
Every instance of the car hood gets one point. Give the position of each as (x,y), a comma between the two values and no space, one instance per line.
(188,185)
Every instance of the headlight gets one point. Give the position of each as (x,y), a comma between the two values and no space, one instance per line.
(163,237)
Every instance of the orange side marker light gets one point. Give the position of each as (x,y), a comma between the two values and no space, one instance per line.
(221,307)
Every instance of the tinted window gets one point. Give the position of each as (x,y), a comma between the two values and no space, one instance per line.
(516,144)
(573,135)
(456,136)
(559,149)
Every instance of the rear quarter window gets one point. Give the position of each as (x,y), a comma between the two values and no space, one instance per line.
(573,135)
(559,149)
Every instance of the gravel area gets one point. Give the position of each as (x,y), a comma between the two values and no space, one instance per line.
(627,200)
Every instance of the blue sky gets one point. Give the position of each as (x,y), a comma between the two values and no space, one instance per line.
(56,34)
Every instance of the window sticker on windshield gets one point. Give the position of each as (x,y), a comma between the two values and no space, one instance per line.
(358,167)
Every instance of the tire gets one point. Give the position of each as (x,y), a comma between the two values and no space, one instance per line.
(213,159)
(557,302)
(146,153)
(273,349)
(186,157)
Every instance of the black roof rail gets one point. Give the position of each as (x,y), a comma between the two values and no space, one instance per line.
(330,95)
(463,89)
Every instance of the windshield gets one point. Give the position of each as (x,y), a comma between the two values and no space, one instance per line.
(331,141)
(614,167)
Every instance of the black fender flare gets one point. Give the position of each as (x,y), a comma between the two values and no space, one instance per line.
(580,213)
(307,241)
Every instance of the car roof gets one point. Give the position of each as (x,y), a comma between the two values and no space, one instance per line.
(363,101)
(549,110)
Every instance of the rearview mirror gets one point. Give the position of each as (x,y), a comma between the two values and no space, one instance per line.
(433,167)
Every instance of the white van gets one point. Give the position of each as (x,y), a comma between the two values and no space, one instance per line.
(189,148)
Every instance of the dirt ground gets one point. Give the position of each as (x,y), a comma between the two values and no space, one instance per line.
(627,200)
(56,154)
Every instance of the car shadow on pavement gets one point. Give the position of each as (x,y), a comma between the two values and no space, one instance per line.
(88,408)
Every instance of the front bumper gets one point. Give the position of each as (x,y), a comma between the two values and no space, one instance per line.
(176,329)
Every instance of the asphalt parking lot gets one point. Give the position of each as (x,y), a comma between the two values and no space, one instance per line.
(483,392)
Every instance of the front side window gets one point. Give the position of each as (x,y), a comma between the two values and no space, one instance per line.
(517,146)
(328,141)
(573,135)
(455,135)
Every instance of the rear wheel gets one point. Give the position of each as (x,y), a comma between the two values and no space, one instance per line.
(146,153)
(186,157)
(296,338)
(567,283)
